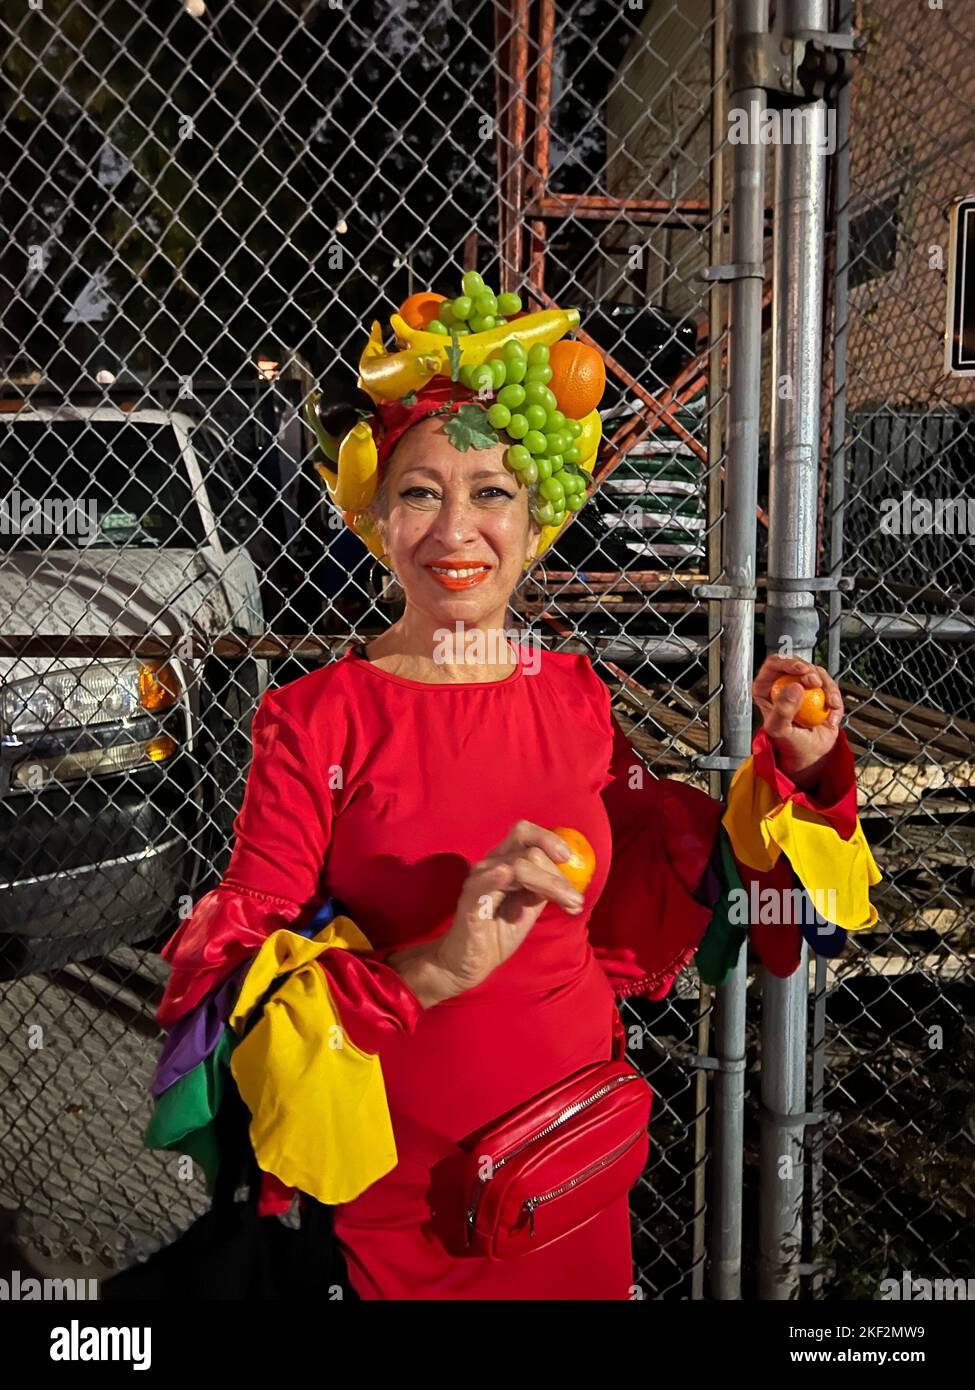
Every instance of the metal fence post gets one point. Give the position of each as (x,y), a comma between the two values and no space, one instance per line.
(791,628)
(738,626)
(840,213)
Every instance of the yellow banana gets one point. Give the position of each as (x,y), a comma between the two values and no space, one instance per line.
(355,484)
(547,326)
(549,533)
(385,376)
(364,528)
(587,442)
(329,476)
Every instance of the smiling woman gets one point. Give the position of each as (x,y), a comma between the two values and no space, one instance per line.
(456,529)
(472,1120)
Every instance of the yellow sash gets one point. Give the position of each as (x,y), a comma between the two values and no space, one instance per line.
(834,871)
(319,1117)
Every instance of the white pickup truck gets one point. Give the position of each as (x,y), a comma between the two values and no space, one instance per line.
(120,777)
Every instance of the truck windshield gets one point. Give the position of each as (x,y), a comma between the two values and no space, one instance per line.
(94,483)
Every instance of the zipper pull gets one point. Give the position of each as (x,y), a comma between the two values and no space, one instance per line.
(531,1203)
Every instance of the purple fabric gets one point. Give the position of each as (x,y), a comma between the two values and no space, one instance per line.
(711,886)
(194,1037)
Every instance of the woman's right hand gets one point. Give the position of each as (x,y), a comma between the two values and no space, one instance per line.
(500,901)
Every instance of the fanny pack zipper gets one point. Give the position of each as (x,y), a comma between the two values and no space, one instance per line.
(531,1203)
(560,1119)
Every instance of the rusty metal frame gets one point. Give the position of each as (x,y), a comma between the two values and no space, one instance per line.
(526,205)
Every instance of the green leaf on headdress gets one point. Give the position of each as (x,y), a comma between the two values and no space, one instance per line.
(362,414)
(470,428)
(408,399)
(453,354)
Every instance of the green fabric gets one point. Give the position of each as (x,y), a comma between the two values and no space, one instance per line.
(718,953)
(183,1118)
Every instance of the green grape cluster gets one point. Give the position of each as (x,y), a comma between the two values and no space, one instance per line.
(543,454)
(475,310)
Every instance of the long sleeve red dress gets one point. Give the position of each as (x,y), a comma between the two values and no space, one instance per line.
(382,792)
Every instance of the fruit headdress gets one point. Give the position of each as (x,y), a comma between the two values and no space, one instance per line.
(503,376)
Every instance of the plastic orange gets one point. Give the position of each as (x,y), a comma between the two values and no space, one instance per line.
(812,711)
(578,377)
(581,867)
(420,308)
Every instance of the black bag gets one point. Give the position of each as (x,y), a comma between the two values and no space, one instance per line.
(230,1252)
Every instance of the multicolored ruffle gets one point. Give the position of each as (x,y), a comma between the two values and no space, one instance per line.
(694,879)
(297,1027)
(792,867)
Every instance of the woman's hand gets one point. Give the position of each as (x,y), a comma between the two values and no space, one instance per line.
(801,752)
(500,901)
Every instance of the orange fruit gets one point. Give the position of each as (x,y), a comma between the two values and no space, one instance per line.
(419,309)
(812,710)
(581,867)
(578,377)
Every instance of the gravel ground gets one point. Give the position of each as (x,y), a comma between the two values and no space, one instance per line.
(77,1188)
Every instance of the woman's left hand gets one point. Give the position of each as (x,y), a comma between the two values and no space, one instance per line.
(800,751)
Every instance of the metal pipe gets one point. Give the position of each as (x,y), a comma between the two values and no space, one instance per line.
(836,507)
(543,97)
(719,128)
(907,627)
(738,628)
(511,267)
(502,142)
(538,229)
(841,334)
(791,627)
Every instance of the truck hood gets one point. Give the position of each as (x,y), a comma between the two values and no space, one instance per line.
(103,592)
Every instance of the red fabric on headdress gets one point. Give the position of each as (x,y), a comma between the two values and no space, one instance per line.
(391,419)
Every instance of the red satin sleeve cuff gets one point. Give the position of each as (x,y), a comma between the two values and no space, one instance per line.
(834,796)
(834,799)
(371,1000)
(226,927)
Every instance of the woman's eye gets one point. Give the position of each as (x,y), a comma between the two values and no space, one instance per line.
(425,492)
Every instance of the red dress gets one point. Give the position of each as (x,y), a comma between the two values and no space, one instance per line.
(382,792)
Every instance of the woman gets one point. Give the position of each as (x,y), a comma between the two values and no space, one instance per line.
(417,783)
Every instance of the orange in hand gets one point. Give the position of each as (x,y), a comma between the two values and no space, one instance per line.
(812,711)
(581,867)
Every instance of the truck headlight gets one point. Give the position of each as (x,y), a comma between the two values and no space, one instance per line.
(83,697)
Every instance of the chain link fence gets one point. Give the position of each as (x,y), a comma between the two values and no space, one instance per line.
(893,1041)
(204,210)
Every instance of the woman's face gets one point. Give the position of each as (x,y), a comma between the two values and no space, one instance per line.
(447,510)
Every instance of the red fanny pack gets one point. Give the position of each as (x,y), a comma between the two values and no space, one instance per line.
(555,1162)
